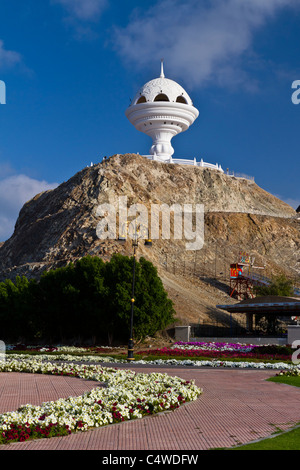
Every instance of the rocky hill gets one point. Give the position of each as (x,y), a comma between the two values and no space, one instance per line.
(59,226)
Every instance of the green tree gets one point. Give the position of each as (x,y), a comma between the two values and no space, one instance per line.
(88,299)
(279,286)
(118,282)
(71,300)
(56,299)
(15,309)
(153,310)
(89,282)
(7,292)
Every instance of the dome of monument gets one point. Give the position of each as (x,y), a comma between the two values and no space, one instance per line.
(162,89)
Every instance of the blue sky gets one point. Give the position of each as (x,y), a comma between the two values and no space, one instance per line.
(72,66)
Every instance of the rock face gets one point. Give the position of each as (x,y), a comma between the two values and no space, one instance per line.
(59,226)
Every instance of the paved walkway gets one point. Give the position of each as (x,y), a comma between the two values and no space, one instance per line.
(237,406)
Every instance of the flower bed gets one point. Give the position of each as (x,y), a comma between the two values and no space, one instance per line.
(125,395)
(221,363)
(295,372)
(60,349)
(215,346)
(222,350)
(215,354)
(167,362)
(198,354)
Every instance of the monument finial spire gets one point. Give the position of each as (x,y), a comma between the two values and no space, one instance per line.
(162,75)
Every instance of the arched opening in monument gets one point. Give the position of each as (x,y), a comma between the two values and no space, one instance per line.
(161,97)
(181,99)
(142,99)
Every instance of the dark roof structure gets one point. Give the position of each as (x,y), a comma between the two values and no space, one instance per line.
(280,306)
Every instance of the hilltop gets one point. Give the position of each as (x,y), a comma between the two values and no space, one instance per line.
(59,226)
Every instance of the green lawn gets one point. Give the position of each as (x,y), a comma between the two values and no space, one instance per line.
(286,380)
(286,441)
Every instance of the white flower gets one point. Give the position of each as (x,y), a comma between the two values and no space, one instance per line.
(127,395)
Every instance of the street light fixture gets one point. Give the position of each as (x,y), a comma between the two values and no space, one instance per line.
(135,242)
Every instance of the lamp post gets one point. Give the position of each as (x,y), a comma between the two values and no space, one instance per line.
(130,356)
(135,242)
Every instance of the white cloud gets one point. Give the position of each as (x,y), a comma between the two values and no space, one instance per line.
(8,58)
(82,15)
(85,10)
(15,190)
(200,41)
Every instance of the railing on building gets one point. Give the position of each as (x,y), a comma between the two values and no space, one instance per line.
(201,164)
(240,175)
(186,161)
(264,280)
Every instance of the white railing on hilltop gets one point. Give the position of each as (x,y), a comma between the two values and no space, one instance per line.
(240,175)
(186,161)
(193,162)
(201,163)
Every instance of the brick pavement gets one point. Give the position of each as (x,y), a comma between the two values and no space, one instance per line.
(237,406)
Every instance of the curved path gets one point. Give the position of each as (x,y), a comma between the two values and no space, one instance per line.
(237,406)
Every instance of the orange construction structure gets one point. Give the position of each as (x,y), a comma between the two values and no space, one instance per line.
(241,285)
